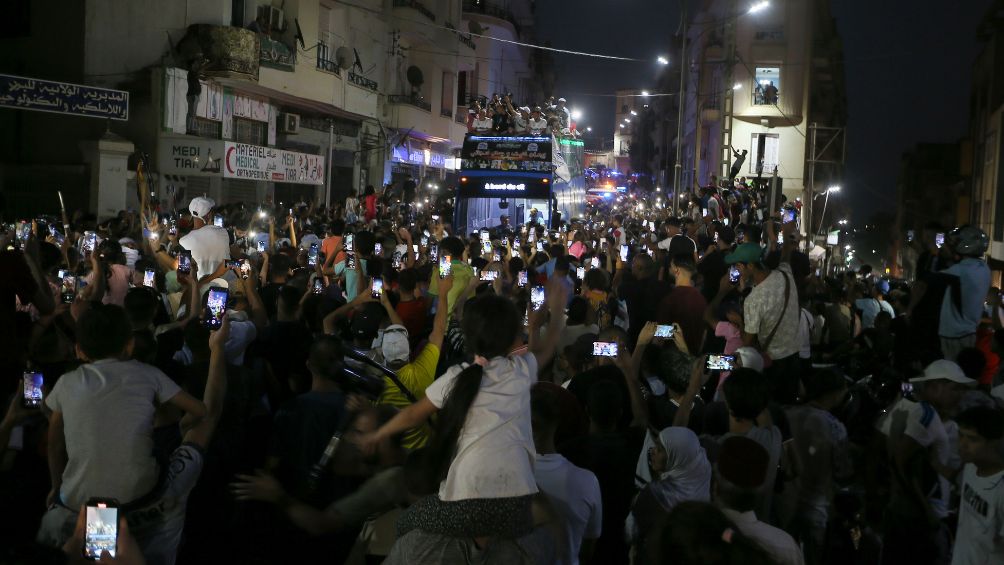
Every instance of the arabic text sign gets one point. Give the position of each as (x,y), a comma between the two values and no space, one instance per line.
(253,162)
(63,98)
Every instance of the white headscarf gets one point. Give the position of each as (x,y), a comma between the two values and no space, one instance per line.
(688,473)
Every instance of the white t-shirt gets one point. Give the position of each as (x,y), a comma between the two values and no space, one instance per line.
(495,450)
(763,308)
(482,125)
(779,544)
(210,246)
(108,408)
(805,325)
(920,421)
(537,125)
(980,537)
(575,494)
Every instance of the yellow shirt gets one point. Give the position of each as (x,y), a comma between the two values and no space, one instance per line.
(462,274)
(416,377)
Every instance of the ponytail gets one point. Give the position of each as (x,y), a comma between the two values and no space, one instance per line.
(450,420)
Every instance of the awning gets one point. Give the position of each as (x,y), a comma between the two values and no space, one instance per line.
(290,100)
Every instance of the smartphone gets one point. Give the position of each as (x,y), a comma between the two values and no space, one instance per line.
(780,239)
(445,266)
(720,362)
(185,262)
(33,381)
(485,236)
(594,263)
(939,240)
(218,221)
(664,331)
(58,236)
(102,530)
(740,236)
(68,288)
(424,241)
(350,242)
(318,287)
(580,273)
(149,278)
(261,246)
(734,274)
(521,279)
(624,253)
(376,290)
(434,252)
(540,247)
(245,268)
(909,235)
(906,389)
(395,261)
(537,298)
(173,228)
(788,216)
(716,237)
(216,307)
(486,247)
(90,241)
(704,212)
(488,276)
(350,261)
(605,349)
(378,249)
(435,217)
(312,255)
(414,249)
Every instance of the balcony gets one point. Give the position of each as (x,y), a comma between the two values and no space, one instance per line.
(417,6)
(491,9)
(230,52)
(409,100)
(326,60)
(275,54)
(446,113)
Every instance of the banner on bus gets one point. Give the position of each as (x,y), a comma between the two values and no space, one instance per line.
(503,187)
(496,153)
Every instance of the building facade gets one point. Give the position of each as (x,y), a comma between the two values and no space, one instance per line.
(761,82)
(249,100)
(986,126)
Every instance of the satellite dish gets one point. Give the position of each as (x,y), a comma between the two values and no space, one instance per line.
(415,77)
(299,34)
(343,57)
(476,28)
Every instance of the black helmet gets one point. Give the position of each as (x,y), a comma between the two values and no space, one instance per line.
(969,241)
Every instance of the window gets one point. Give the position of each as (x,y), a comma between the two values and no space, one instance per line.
(446,96)
(770,145)
(768,86)
(250,131)
(208,128)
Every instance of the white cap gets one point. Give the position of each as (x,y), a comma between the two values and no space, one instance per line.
(201,206)
(394,344)
(943,369)
(750,358)
(562,100)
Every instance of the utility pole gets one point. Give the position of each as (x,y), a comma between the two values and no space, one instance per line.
(725,155)
(681,101)
(816,155)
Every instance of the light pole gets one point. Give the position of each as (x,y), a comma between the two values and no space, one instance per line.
(822,218)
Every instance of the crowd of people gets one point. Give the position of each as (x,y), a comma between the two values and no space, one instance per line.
(500,116)
(362,384)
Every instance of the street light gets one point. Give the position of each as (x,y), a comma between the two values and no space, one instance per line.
(822,217)
(662,60)
(633,113)
(576,114)
(737,86)
(644,93)
(759,6)
(589,129)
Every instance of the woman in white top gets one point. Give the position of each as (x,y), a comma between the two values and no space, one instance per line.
(482,452)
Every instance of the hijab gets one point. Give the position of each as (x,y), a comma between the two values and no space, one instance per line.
(687,475)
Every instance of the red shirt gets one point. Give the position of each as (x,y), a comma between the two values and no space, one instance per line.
(415,315)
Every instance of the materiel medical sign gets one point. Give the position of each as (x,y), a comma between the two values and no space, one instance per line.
(253,162)
(24,93)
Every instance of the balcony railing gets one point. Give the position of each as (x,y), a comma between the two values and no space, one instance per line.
(325,62)
(362,81)
(465,39)
(491,9)
(417,6)
(409,100)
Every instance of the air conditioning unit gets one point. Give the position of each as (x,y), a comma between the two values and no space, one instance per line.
(289,123)
(273,17)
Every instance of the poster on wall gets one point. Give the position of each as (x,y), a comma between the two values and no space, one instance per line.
(253,162)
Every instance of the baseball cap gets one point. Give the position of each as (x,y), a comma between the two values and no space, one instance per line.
(745,253)
(742,462)
(882,285)
(943,369)
(200,206)
(394,344)
(562,100)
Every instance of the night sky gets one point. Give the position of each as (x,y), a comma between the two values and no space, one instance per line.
(908,68)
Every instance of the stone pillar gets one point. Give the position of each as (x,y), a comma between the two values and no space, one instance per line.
(108,161)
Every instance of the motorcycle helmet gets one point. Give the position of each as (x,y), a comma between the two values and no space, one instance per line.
(969,241)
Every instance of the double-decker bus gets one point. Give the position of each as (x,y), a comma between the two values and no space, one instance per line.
(512,175)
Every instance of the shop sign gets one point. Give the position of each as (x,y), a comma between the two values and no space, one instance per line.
(189,156)
(252,162)
(63,98)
